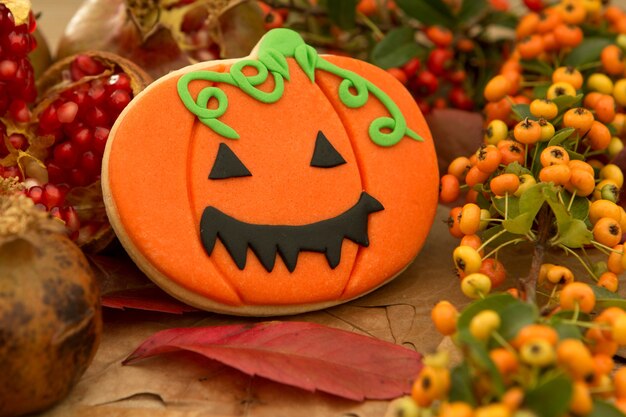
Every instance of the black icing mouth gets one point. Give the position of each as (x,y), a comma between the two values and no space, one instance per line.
(325,236)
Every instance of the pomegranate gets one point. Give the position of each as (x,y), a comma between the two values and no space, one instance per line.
(17,85)
(163,36)
(50,317)
(81,96)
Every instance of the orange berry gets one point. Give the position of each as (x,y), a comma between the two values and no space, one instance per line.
(581,402)
(612,58)
(505,361)
(604,208)
(449,189)
(511,151)
(579,118)
(581,183)
(439,35)
(614,262)
(575,358)
(568,36)
(535,332)
(607,232)
(475,176)
(497,88)
(569,75)
(577,293)
(598,136)
(488,158)
(605,108)
(554,155)
(557,174)
(572,12)
(576,164)
(495,270)
(548,20)
(444,316)
(453,222)
(591,99)
(500,110)
(544,108)
(530,47)
(459,167)
(619,382)
(609,281)
(504,184)
(527,132)
(470,219)
(558,274)
(431,384)
(527,25)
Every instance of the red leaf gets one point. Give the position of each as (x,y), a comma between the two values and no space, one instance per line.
(304,355)
(149,298)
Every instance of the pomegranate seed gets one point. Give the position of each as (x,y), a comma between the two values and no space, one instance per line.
(69,215)
(79,178)
(90,163)
(56,174)
(65,155)
(67,112)
(19,111)
(118,100)
(52,196)
(8,69)
(56,212)
(97,93)
(100,137)
(18,141)
(119,81)
(88,65)
(95,117)
(82,139)
(19,43)
(48,120)
(10,172)
(35,194)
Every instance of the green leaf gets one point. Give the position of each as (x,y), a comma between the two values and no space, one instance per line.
(500,204)
(529,205)
(604,409)
(537,66)
(587,52)
(517,169)
(516,316)
(461,385)
(573,233)
(306,56)
(550,398)
(566,102)
(566,330)
(275,62)
(541,90)
(496,302)
(580,206)
(522,111)
(396,48)
(560,136)
(342,12)
(429,12)
(606,298)
(575,155)
(471,9)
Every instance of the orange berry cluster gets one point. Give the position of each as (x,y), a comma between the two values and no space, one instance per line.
(568,127)
(518,359)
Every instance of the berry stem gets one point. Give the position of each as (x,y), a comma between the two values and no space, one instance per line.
(528,285)
(510,242)
(584,264)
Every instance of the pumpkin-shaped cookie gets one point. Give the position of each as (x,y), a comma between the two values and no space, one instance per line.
(275,184)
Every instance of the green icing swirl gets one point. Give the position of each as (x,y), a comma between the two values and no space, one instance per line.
(278,45)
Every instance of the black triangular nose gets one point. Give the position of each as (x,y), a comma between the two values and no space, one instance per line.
(325,155)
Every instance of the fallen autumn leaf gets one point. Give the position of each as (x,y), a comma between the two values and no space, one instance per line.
(304,355)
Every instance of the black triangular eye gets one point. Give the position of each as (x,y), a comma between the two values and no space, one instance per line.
(227,165)
(325,155)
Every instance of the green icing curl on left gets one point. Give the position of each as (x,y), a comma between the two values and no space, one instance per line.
(276,47)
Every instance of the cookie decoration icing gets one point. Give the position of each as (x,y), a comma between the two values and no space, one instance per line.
(279,183)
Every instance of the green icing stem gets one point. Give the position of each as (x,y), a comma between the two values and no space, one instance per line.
(279,45)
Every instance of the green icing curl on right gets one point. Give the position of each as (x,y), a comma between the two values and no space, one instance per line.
(278,45)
